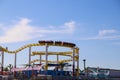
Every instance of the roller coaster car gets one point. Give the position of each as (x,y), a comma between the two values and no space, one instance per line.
(58,43)
(67,44)
(48,42)
(42,42)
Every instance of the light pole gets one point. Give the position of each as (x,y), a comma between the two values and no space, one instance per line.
(84,62)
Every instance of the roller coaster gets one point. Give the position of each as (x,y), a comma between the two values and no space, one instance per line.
(73,54)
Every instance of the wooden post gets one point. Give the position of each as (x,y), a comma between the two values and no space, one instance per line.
(29,56)
(57,59)
(73,62)
(40,59)
(46,56)
(2,65)
(78,65)
(15,61)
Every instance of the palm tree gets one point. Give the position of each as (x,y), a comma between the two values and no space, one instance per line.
(5,69)
(62,65)
(10,66)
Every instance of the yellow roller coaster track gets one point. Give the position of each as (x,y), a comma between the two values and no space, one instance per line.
(56,53)
(43,43)
(69,53)
(61,61)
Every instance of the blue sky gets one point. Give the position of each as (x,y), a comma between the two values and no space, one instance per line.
(94,25)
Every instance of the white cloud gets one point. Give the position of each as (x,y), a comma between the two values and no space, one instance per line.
(22,31)
(19,31)
(68,27)
(115,37)
(105,32)
(104,35)
(116,43)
